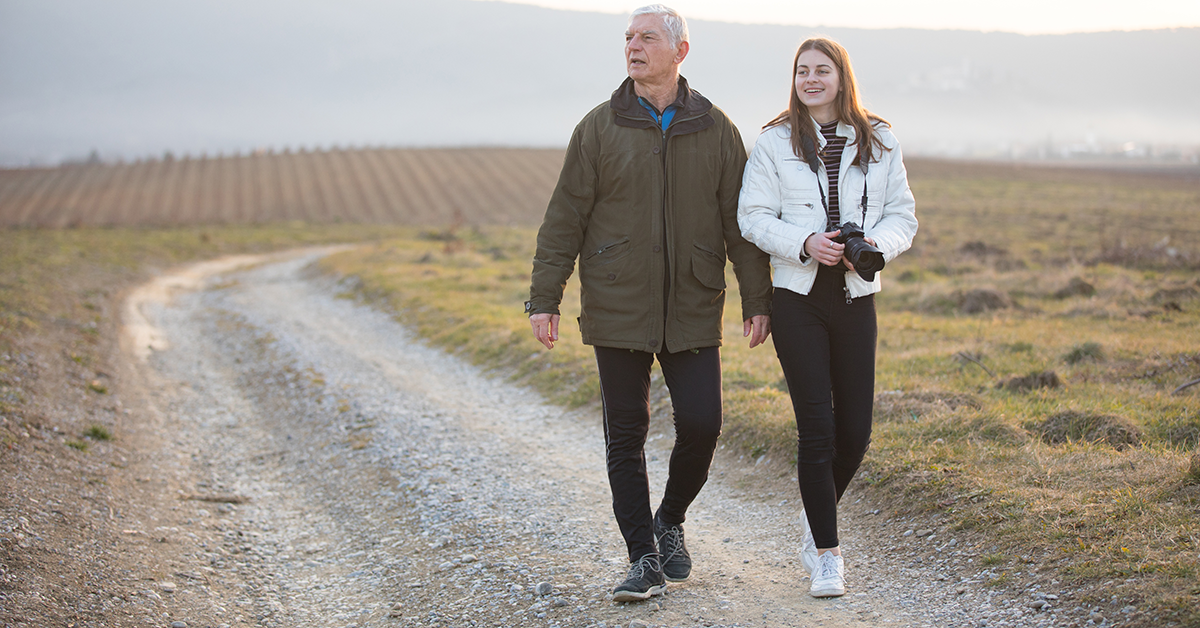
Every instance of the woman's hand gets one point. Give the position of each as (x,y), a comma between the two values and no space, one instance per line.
(846,260)
(821,247)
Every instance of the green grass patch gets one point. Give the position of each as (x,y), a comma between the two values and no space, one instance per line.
(97,432)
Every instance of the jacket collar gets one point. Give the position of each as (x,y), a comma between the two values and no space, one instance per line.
(843,130)
(692,109)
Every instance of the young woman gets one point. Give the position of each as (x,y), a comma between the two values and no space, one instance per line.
(824,163)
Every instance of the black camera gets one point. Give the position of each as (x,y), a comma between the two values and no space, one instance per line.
(867,259)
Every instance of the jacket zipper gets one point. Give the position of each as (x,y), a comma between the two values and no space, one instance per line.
(666,240)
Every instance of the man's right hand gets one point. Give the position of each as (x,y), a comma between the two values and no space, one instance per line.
(545,328)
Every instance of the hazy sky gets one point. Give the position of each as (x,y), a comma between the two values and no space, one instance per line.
(1017,16)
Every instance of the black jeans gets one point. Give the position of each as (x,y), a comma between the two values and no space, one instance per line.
(694,380)
(827,350)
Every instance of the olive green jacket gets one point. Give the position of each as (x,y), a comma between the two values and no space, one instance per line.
(652,218)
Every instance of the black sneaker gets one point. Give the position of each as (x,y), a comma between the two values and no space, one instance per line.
(676,562)
(645,580)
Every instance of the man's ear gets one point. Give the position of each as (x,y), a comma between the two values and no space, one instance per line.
(681,51)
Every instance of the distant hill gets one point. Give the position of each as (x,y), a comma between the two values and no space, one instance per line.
(136,77)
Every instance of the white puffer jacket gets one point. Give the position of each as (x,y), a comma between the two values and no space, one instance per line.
(780,205)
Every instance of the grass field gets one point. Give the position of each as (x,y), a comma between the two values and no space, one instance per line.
(1030,346)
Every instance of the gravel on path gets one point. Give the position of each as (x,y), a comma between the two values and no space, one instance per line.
(335,471)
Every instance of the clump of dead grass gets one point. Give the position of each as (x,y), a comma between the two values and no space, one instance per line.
(1076,287)
(982,300)
(1033,381)
(1067,427)
(901,406)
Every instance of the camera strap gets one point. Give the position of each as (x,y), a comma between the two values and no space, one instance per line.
(809,148)
(862,203)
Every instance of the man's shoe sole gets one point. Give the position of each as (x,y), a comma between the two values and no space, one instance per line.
(677,578)
(634,596)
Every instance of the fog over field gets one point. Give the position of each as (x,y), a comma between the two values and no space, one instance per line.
(136,78)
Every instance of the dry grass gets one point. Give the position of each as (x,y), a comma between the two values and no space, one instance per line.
(1025,370)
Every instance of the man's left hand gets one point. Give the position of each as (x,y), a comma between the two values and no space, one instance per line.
(757,328)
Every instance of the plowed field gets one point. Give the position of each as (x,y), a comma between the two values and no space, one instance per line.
(385,186)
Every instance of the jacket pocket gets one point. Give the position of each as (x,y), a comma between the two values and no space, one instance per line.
(708,266)
(608,253)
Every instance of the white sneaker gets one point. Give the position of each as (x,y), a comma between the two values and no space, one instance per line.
(830,578)
(808,547)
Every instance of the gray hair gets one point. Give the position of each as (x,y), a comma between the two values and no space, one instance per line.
(677,30)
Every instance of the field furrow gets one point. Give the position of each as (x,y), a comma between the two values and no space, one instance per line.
(431,205)
(344,181)
(367,184)
(58,207)
(85,200)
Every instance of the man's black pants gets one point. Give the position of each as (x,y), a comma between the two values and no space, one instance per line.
(827,350)
(694,381)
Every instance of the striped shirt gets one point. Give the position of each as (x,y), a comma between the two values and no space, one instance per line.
(831,156)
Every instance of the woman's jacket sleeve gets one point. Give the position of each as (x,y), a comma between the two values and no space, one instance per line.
(894,232)
(760,206)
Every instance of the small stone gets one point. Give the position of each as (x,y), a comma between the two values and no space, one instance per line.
(1038,605)
(925,532)
(167,587)
(178,624)
(960,590)
(908,533)
(637,623)
(544,588)
(469,558)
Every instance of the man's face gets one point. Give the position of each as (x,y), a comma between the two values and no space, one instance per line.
(649,55)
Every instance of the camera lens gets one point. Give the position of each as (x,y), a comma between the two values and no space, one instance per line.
(867,260)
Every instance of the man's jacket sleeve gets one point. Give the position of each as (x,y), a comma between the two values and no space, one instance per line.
(561,235)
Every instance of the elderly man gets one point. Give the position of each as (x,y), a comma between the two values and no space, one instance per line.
(647,201)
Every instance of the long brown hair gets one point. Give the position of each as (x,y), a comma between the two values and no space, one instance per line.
(846,103)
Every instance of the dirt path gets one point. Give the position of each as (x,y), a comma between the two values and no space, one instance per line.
(317,466)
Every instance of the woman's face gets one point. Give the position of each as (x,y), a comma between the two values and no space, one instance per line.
(817,84)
